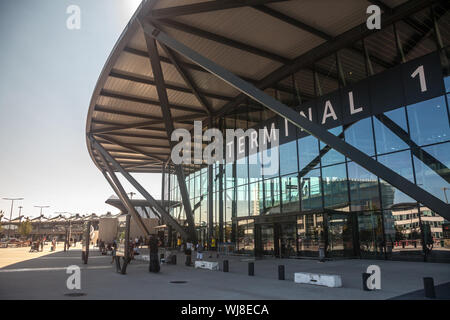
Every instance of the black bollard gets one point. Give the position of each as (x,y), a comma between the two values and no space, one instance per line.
(428,285)
(280,272)
(251,268)
(365,276)
(225,265)
(174,259)
(188,260)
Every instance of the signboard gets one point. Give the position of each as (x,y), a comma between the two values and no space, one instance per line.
(408,83)
(122,236)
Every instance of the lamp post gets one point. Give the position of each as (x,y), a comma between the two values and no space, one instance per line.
(10,215)
(40,216)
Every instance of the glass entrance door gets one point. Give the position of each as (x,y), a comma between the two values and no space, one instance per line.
(267,240)
(340,235)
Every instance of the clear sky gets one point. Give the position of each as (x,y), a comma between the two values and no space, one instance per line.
(48,74)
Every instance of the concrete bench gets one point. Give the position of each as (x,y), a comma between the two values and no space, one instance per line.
(328,280)
(207,265)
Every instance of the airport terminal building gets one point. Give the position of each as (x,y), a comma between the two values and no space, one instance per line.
(363,141)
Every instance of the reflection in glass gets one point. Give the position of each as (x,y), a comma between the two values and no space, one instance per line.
(428,121)
(311,190)
(435,179)
(332,156)
(272,196)
(288,158)
(242,201)
(254,167)
(308,149)
(399,162)
(370,229)
(241,171)
(335,187)
(256,198)
(310,234)
(386,141)
(290,195)
(360,135)
(364,193)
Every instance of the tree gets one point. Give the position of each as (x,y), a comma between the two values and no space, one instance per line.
(25,228)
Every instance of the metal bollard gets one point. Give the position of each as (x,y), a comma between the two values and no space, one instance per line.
(365,276)
(428,285)
(280,272)
(188,260)
(251,268)
(225,265)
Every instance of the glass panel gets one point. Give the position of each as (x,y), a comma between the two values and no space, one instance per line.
(242,201)
(332,156)
(370,234)
(403,234)
(434,176)
(428,121)
(267,240)
(229,175)
(254,167)
(335,187)
(310,234)
(340,235)
(256,198)
(310,186)
(287,236)
(288,158)
(360,135)
(308,149)
(399,162)
(272,196)
(447,84)
(271,162)
(204,182)
(386,141)
(241,171)
(197,184)
(289,192)
(364,193)
(229,204)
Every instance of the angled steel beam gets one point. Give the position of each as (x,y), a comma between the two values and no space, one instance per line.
(434,164)
(126,146)
(206,6)
(145,124)
(169,219)
(123,195)
(340,42)
(223,40)
(144,100)
(100,108)
(195,67)
(165,107)
(147,80)
(301,122)
(188,80)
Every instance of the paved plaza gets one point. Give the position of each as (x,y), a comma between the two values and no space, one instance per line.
(44,277)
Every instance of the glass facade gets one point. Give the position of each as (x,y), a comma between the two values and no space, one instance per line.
(320,199)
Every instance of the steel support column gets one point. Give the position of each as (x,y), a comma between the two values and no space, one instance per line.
(120,191)
(165,108)
(142,191)
(301,122)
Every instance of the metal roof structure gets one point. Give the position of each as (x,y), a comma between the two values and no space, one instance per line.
(178,61)
(253,39)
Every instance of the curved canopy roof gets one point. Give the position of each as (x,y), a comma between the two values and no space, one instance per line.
(264,42)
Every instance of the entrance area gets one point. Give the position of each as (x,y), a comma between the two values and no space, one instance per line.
(339,234)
